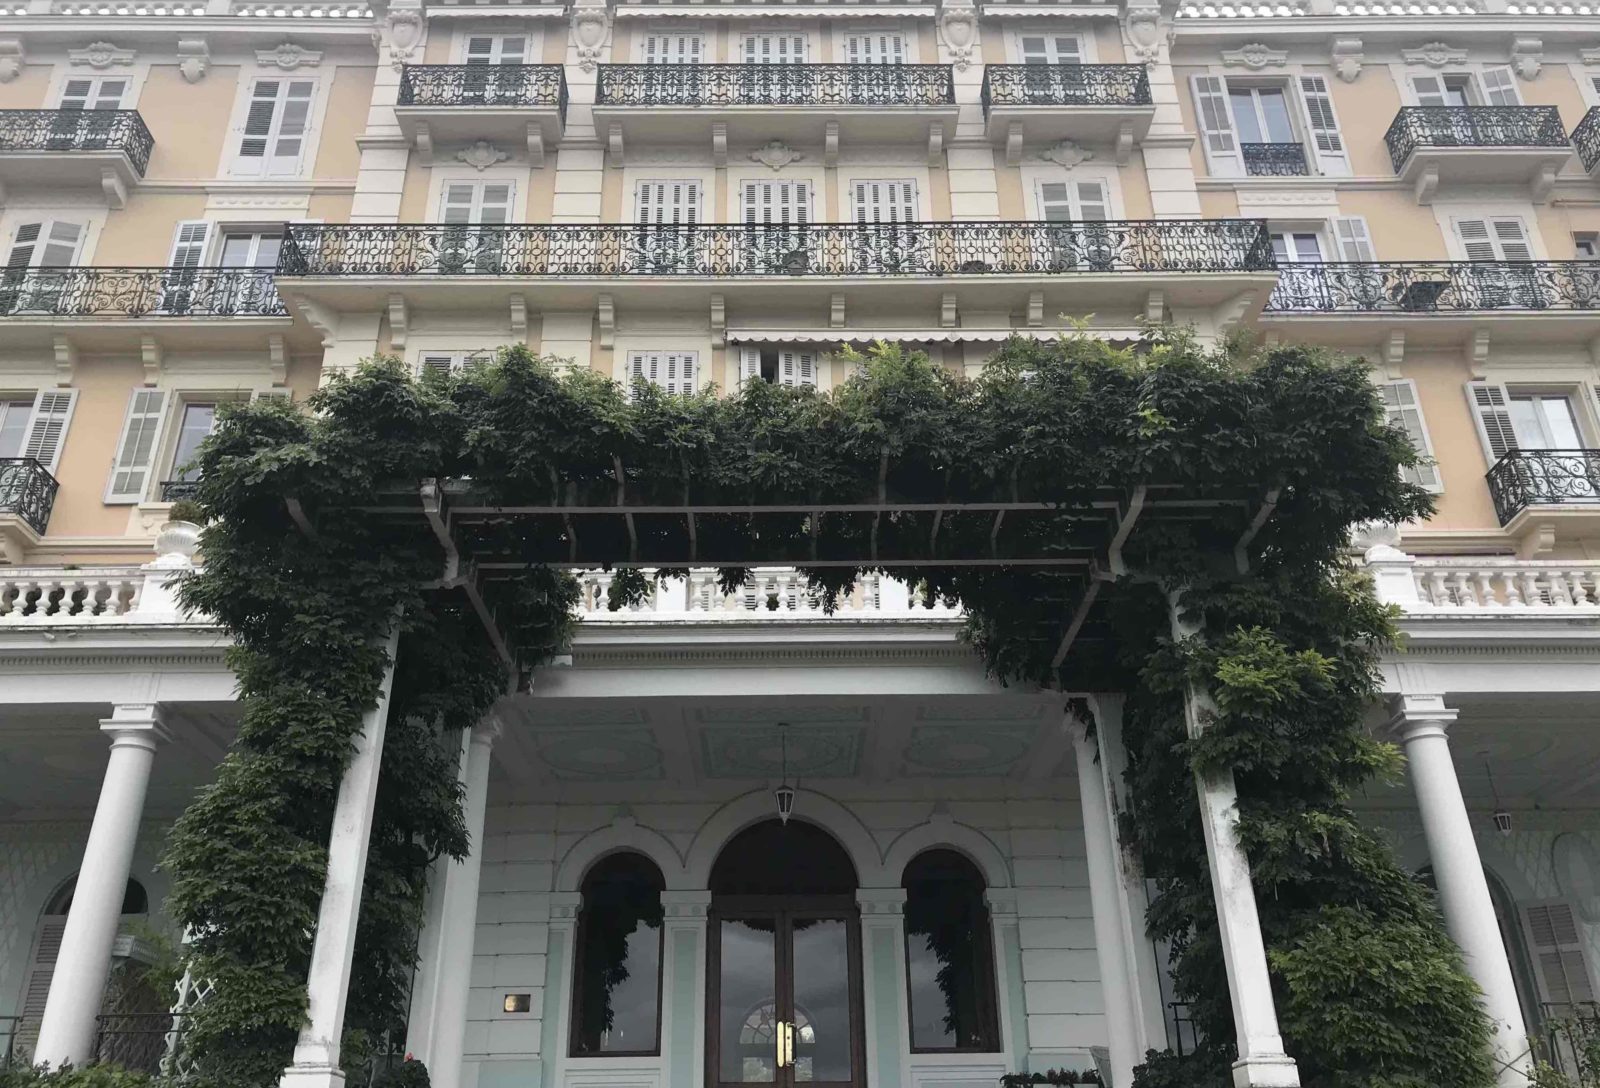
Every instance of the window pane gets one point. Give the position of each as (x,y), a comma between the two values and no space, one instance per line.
(14,426)
(949,958)
(1275,108)
(197,421)
(1559,423)
(747,950)
(1244,111)
(821,1000)
(619,958)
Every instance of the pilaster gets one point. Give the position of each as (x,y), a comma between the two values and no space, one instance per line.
(683,985)
(1147,34)
(883,973)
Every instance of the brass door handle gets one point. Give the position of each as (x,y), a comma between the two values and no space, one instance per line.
(784,1037)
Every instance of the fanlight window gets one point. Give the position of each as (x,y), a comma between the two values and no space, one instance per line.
(949,955)
(617,984)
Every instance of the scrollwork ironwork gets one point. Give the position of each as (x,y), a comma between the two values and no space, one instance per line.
(1586,138)
(94,291)
(775,85)
(78,130)
(1524,478)
(1435,287)
(484,85)
(28,491)
(1472,126)
(1065,85)
(1274,160)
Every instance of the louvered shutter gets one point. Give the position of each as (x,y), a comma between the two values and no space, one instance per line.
(885,201)
(664,47)
(496,49)
(749,365)
(1216,126)
(1512,239)
(136,449)
(41,967)
(438,364)
(1429,90)
(93,94)
(679,376)
(1491,408)
(663,203)
(782,202)
(1404,411)
(273,394)
(1556,941)
(275,127)
(797,368)
(774,48)
(47,428)
(875,47)
(1500,87)
(50,243)
(189,243)
(1323,126)
(1051,49)
(1501,239)
(1355,244)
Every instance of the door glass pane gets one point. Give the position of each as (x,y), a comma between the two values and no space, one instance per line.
(14,426)
(1244,112)
(197,421)
(1275,111)
(821,1000)
(749,1014)
(1559,423)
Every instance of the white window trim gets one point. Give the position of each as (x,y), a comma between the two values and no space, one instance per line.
(135,73)
(529,29)
(311,148)
(1086,42)
(1108,176)
(515,176)
(844,28)
(1472,69)
(1585,75)
(92,217)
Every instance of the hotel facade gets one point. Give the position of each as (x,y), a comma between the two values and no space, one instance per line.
(204,201)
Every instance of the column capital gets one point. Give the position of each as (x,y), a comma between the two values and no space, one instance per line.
(488,729)
(881,900)
(1421,716)
(681,905)
(135,723)
(564,906)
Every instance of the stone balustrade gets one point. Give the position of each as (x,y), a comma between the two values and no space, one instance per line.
(95,596)
(1464,583)
(775,592)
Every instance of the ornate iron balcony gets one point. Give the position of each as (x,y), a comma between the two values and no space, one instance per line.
(88,291)
(78,130)
(775,85)
(1438,287)
(27,490)
(484,85)
(736,250)
(1586,138)
(1524,478)
(1472,126)
(173,490)
(1274,160)
(1065,85)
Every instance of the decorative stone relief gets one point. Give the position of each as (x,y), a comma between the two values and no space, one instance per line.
(1067,154)
(776,154)
(1527,57)
(968,749)
(1348,56)
(1144,31)
(958,27)
(601,755)
(482,155)
(404,31)
(12,59)
(287,57)
(194,59)
(1434,55)
(827,751)
(101,55)
(591,22)
(1255,56)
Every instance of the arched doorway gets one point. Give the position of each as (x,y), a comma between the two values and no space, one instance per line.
(784,1001)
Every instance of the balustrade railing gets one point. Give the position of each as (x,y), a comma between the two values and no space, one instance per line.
(1523,584)
(835,249)
(135,1041)
(1065,85)
(96,291)
(775,593)
(1524,478)
(27,491)
(1274,160)
(1435,287)
(775,85)
(1472,126)
(42,595)
(1586,138)
(78,130)
(484,85)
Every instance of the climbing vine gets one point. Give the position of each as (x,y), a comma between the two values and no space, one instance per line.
(310,580)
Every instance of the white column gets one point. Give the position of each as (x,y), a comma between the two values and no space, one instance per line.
(1111,952)
(1262,1062)
(67,1031)
(460,918)
(420,1023)
(316,1053)
(1458,873)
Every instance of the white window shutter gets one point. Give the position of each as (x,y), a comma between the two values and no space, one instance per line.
(1491,409)
(796,368)
(1556,941)
(48,243)
(275,126)
(293,121)
(47,428)
(494,202)
(77,94)
(1216,126)
(1499,239)
(480,49)
(749,364)
(267,394)
(136,448)
(259,122)
(1404,411)
(41,967)
(1500,87)
(189,243)
(1512,239)
(1322,124)
(1476,241)
(1355,244)
(1055,202)
(1429,90)
(436,363)
(458,202)
(1093,205)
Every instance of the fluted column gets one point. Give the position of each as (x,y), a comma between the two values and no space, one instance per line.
(78,984)
(1421,725)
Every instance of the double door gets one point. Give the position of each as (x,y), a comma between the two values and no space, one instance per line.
(785,995)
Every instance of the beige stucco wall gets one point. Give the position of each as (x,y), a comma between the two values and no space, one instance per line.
(189,121)
(142,233)
(346,116)
(1365,110)
(1441,378)
(103,388)
(1400,230)
(27,91)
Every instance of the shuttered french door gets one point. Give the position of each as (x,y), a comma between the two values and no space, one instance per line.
(781,210)
(482,83)
(882,209)
(479,202)
(275,127)
(667,212)
(38,247)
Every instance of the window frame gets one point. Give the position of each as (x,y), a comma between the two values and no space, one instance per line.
(531,33)
(642,37)
(321,79)
(1086,43)
(575,993)
(989,996)
(843,34)
(1430,460)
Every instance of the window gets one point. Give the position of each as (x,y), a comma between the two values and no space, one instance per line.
(1050,48)
(94,93)
(772,47)
(35,425)
(661,203)
(1492,87)
(1077,202)
(1403,410)
(496,49)
(673,371)
(1501,238)
(42,245)
(1355,244)
(1586,245)
(1261,114)
(885,201)
(272,140)
(1264,116)
(784,366)
(1296,247)
(777,204)
(673,47)
(15,412)
(617,980)
(949,955)
(1073,201)
(449,362)
(130,469)
(196,420)
(1543,421)
(875,47)
(482,202)
(1557,944)
(250,249)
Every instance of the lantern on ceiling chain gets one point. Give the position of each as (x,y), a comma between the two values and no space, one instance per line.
(784,794)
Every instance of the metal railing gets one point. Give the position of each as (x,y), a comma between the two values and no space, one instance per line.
(834,250)
(78,130)
(28,491)
(136,1041)
(1274,160)
(174,490)
(775,85)
(95,291)
(484,85)
(1472,126)
(1569,1041)
(1065,85)
(1586,138)
(1435,287)
(1524,478)
(10,1030)
(1184,1036)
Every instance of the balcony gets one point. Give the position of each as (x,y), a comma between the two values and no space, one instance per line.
(1523,146)
(752,104)
(994,264)
(500,103)
(1274,160)
(1586,139)
(1047,103)
(55,149)
(27,493)
(1527,483)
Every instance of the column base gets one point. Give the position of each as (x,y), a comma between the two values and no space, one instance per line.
(1266,1071)
(318,1076)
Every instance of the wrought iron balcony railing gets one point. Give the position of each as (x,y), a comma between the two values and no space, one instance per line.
(775,85)
(173,490)
(1065,85)
(1441,287)
(90,291)
(1274,160)
(1524,478)
(27,490)
(484,85)
(734,250)
(78,130)
(1586,138)
(135,1041)
(1472,126)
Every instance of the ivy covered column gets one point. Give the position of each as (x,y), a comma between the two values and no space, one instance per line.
(1262,1062)
(1421,725)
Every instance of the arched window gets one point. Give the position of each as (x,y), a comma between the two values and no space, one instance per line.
(949,955)
(617,983)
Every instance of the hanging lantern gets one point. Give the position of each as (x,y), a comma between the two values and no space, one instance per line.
(1502,818)
(784,794)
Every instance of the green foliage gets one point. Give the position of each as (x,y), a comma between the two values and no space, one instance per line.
(186,510)
(408,1074)
(96,1075)
(1053,1076)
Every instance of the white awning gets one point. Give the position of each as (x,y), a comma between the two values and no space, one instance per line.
(716,10)
(909,336)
